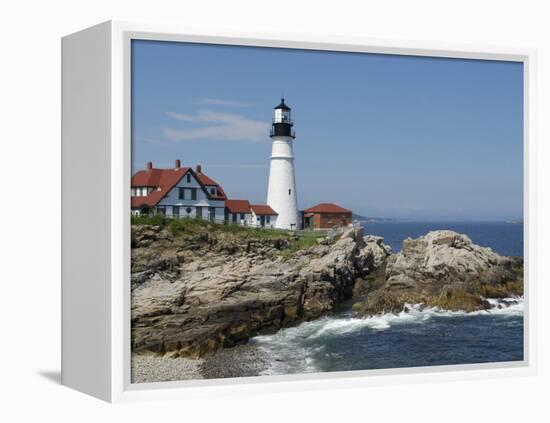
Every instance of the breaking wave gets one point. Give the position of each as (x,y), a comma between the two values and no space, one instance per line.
(292,350)
(416,313)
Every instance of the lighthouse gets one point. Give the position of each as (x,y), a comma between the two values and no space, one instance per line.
(281,193)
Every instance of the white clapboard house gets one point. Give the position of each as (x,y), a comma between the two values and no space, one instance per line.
(244,213)
(177,192)
(182,192)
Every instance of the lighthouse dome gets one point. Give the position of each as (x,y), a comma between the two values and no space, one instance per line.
(282,106)
(282,121)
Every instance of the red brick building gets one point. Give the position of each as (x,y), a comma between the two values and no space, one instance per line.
(326,216)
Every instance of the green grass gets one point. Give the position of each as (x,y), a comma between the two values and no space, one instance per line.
(305,241)
(193,225)
(300,240)
(157,219)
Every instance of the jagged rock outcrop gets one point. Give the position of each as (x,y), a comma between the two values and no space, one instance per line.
(375,253)
(209,289)
(445,269)
(371,263)
(192,295)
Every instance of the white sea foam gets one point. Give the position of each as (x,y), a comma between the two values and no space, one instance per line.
(415,313)
(292,349)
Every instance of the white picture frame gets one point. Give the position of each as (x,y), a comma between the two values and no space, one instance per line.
(96,99)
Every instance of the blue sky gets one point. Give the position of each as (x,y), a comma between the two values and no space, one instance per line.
(393,136)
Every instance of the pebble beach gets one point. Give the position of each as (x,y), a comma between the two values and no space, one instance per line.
(240,361)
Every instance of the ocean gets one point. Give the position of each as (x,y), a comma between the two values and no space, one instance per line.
(504,238)
(416,337)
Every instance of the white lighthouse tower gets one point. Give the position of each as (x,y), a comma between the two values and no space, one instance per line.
(281,193)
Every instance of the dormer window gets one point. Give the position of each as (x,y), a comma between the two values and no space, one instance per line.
(140,191)
(188,178)
(213,191)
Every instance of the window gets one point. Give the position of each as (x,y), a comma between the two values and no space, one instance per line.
(268,219)
(181,193)
(176,211)
(188,210)
(199,212)
(193,193)
(133,192)
(289,191)
(242,216)
(161,209)
(213,191)
(188,178)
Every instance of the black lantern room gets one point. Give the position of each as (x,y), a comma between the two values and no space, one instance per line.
(282,122)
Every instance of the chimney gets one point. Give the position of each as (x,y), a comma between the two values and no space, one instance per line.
(198,168)
(178,163)
(149,165)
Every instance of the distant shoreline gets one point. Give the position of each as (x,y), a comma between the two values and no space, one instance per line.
(371,218)
(363,219)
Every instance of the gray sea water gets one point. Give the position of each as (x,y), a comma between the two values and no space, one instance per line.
(415,337)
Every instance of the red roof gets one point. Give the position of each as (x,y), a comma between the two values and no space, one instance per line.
(163,180)
(237,206)
(327,208)
(261,209)
(205,180)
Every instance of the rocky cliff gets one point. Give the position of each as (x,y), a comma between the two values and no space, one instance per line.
(444,269)
(195,293)
(200,289)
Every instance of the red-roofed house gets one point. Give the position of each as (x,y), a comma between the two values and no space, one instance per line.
(238,211)
(263,215)
(326,216)
(186,192)
(241,211)
(177,192)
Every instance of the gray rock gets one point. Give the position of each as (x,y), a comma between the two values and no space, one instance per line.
(446,257)
(374,253)
(445,269)
(226,291)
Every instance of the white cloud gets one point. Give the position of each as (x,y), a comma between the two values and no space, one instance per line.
(220,102)
(218,126)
